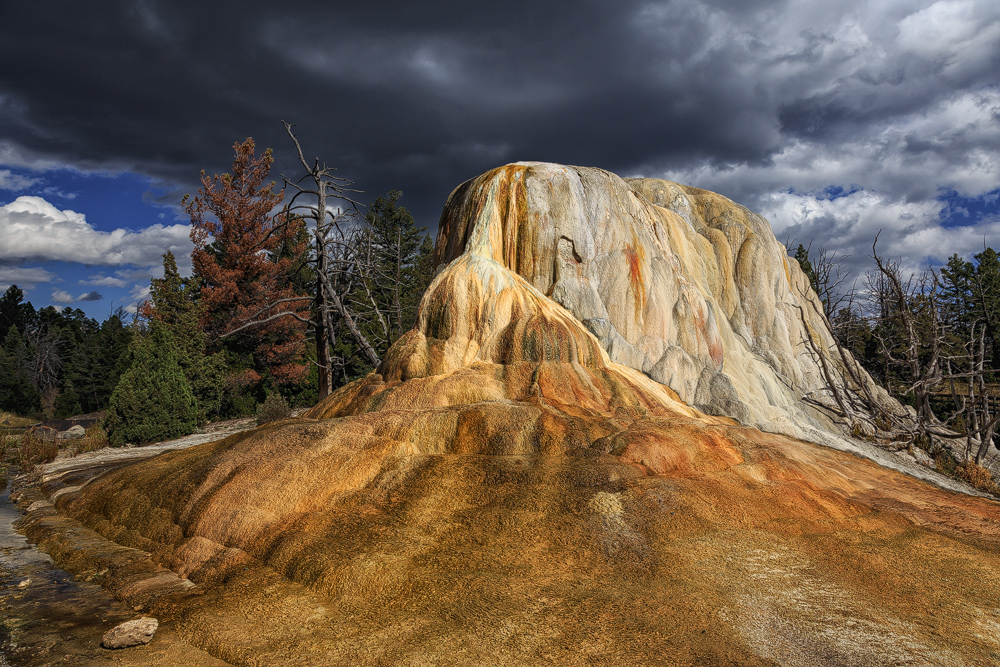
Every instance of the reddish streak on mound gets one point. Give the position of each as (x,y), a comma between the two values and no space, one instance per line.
(635,256)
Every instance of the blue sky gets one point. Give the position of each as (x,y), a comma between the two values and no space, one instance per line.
(99,237)
(836,121)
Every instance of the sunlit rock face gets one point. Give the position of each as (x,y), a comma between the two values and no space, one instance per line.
(679,283)
(515,485)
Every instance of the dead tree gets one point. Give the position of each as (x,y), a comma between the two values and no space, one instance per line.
(911,336)
(917,342)
(333,256)
(853,390)
(976,406)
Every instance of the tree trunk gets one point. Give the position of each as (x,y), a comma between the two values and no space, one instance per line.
(395,292)
(325,383)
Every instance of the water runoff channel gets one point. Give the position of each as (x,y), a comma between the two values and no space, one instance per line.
(50,617)
(46,616)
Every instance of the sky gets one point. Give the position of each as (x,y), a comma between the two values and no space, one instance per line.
(834,120)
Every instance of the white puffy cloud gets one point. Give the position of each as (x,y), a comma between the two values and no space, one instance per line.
(102,280)
(32,228)
(62,296)
(138,294)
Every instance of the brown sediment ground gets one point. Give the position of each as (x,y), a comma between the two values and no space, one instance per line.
(669,539)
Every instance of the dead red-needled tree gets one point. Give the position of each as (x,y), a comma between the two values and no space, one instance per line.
(246,292)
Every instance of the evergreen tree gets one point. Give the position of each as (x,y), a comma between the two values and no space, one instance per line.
(397,243)
(113,359)
(250,309)
(153,400)
(172,303)
(17,393)
(14,312)
(957,278)
(422,273)
(80,373)
(986,300)
(388,269)
(802,257)
(67,403)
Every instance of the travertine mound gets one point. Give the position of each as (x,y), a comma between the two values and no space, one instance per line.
(679,283)
(505,491)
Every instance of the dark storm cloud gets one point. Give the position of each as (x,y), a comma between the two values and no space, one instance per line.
(90,296)
(756,99)
(399,96)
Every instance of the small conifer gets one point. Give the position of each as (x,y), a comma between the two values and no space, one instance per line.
(153,399)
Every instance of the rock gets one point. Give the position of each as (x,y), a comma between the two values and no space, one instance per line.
(24,583)
(44,433)
(922,457)
(679,283)
(72,433)
(130,633)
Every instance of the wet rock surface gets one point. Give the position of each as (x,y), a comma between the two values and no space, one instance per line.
(50,616)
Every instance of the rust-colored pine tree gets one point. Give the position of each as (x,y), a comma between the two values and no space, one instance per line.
(243,255)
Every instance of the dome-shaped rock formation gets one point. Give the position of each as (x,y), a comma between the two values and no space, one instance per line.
(679,283)
(531,478)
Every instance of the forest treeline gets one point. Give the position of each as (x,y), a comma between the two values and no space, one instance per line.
(285,301)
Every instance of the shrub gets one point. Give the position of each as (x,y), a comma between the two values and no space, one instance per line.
(93,439)
(976,476)
(273,408)
(34,451)
(944,460)
(153,399)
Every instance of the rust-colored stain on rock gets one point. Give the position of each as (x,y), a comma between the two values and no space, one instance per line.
(635,256)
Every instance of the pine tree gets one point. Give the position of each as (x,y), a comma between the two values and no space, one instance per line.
(153,400)
(986,299)
(14,312)
(114,340)
(399,276)
(172,303)
(249,305)
(802,257)
(17,393)
(957,278)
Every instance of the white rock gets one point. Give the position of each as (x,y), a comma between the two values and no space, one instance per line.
(675,282)
(130,633)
